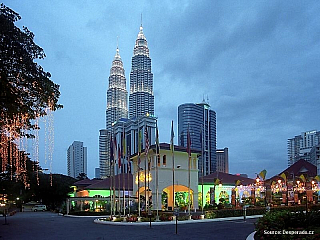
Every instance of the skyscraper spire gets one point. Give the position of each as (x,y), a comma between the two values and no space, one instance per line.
(141,99)
(117,93)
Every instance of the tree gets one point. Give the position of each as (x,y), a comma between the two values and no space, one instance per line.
(82,176)
(26,89)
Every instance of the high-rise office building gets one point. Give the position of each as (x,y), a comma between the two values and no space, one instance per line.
(201,122)
(222,160)
(76,159)
(117,95)
(141,98)
(300,146)
(104,153)
(117,98)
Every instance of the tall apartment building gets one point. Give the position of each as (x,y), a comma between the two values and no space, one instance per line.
(141,98)
(201,122)
(222,160)
(76,159)
(300,146)
(117,98)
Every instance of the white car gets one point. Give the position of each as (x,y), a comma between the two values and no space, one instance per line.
(36,208)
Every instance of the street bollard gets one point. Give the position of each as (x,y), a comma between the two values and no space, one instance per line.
(244,212)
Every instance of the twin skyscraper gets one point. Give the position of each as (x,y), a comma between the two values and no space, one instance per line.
(121,129)
(127,131)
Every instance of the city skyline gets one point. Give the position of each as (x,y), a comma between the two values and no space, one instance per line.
(257,63)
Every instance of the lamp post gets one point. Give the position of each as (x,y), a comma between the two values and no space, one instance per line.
(255,188)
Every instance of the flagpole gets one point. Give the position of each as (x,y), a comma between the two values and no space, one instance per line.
(172,152)
(128,168)
(157,176)
(114,175)
(138,163)
(189,158)
(202,170)
(110,173)
(119,171)
(123,179)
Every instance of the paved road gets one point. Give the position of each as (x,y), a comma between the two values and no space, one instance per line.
(51,226)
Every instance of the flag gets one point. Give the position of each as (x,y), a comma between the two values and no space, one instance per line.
(139,146)
(114,150)
(119,156)
(146,140)
(111,151)
(124,144)
(157,139)
(302,177)
(172,136)
(129,167)
(216,181)
(237,182)
(284,176)
(157,144)
(263,174)
(139,142)
(188,143)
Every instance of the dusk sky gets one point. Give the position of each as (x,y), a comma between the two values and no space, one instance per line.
(257,62)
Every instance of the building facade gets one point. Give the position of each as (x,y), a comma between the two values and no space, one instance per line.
(128,134)
(76,159)
(222,160)
(201,122)
(315,157)
(141,98)
(300,146)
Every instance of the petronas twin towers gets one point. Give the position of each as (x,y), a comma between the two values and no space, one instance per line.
(141,98)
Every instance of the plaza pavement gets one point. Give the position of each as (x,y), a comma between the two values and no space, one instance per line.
(52,226)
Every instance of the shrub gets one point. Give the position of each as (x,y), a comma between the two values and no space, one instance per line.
(166,217)
(195,217)
(132,218)
(286,220)
(210,214)
(118,219)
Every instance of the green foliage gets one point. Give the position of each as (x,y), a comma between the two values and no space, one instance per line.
(26,89)
(210,214)
(288,221)
(183,218)
(118,219)
(40,190)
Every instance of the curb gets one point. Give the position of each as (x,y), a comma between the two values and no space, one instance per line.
(251,236)
(98,221)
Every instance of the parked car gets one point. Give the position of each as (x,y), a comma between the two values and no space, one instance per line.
(36,208)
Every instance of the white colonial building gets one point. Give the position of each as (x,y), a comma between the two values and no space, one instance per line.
(157,176)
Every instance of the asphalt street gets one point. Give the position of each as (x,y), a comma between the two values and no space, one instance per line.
(51,226)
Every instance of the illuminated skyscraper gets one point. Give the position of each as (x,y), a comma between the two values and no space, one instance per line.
(117,97)
(201,122)
(141,99)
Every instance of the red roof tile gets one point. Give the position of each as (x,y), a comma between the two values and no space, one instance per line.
(226,178)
